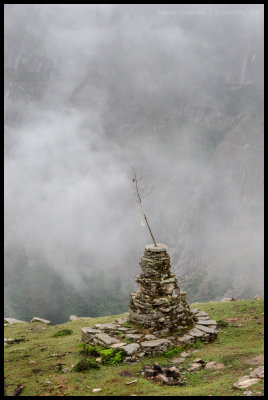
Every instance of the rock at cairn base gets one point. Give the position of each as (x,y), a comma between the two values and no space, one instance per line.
(158,305)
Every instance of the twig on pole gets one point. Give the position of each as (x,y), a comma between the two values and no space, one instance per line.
(135,181)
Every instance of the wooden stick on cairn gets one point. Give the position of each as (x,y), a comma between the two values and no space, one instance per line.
(137,190)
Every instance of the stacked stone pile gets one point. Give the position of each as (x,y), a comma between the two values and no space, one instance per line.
(158,304)
(159,315)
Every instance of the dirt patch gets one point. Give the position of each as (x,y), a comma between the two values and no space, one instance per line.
(259,359)
(127,372)
(38,327)
(232,319)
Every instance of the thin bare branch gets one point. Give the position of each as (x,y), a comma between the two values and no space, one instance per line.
(139,190)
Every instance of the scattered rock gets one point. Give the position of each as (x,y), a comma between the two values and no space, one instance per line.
(172,371)
(66,370)
(47,381)
(248,393)
(228,299)
(257,373)
(162,378)
(185,354)
(13,321)
(214,365)
(75,318)
(129,383)
(32,362)
(245,381)
(8,340)
(98,360)
(149,372)
(195,367)
(178,360)
(44,321)
(259,359)
(96,390)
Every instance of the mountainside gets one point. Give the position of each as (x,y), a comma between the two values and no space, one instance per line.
(42,363)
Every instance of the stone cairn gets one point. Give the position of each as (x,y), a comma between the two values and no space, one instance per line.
(158,304)
(159,316)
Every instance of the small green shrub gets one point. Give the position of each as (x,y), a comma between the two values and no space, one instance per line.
(172,351)
(85,365)
(222,324)
(111,356)
(90,350)
(119,333)
(64,332)
(198,344)
(127,324)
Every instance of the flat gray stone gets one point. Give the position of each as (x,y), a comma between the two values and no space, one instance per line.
(123,329)
(118,345)
(245,381)
(105,326)
(159,247)
(195,310)
(90,331)
(149,337)
(257,373)
(133,336)
(206,329)
(195,367)
(155,343)
(13,321)
(214,365)
(131,348)
(185,339)
(201,314)
(206,322)
(43,321)
(196,332)
(106,339)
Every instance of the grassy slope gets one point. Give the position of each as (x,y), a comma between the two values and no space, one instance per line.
(233,347)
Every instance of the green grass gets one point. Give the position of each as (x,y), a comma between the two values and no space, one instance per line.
(63,332)
(241,340)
